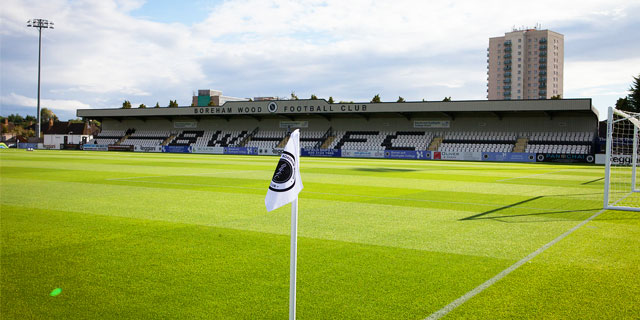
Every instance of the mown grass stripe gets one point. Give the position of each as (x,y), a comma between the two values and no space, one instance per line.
(456,303)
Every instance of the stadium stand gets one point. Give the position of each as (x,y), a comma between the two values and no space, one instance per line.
(146,138)
(266,139)
(564,126)
(230,138)
(110,136)
(449,141)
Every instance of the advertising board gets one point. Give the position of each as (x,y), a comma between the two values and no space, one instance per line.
(176,149)
(453,155)
(210,150)
(147,148)
(509,156)
(120,148)
(240,150)
(426,124)
(95,147)
(294,124)
(566,158)
(185,124)
(615,159)
(362,154)
(270,151)
(320,152)
(407,154)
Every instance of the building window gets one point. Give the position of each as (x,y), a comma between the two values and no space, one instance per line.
(519,59)
(519,40)
(519,78)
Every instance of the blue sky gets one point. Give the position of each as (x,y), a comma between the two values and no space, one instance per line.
(103,52)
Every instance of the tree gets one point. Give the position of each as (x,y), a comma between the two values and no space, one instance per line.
(173,103)
(400,99)
(142,106)
(17,119)
(556,97)
(634,94)
(447,99)
(376,98)
(46,115)
(126,104)
(157,105)
(211,103)
(330,100)
(313,97)
(623,104)
(294,96)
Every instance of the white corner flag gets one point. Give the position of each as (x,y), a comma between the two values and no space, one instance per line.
(284,188)
(286,184)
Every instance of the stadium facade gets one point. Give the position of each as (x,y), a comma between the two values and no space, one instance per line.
(523,130)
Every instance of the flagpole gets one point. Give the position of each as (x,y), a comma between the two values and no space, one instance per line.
(294,257)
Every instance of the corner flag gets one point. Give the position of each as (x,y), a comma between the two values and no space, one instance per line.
(286,184)
(284,188)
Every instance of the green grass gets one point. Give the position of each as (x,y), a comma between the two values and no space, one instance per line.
(128,235)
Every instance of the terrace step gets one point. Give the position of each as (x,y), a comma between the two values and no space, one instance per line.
(521,145)
(327,142)
(435,144)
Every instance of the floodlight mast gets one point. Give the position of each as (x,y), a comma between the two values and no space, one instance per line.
(40,24)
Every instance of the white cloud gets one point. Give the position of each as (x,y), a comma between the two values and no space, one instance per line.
(63,105)
(100,53)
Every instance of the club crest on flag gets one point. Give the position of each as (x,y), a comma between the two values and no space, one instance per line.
(284,178)
(286,182)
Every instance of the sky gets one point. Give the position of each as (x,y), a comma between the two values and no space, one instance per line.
(103,52)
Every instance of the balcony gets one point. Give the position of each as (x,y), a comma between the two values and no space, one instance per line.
(543,79)
(507,43)
(542,60)
(543,72)
(542,86)
(507,74)
(506,62)
(543,40)
(543,47)
(507,93)
(507,56)
(506,68)
(543,53)
(507,50)
(506,87)
(507,80)
(543,66)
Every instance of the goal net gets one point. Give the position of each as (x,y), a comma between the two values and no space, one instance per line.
(621,191)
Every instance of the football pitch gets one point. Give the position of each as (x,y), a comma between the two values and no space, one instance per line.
(133,235)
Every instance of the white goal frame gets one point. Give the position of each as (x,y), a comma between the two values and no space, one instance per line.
(619,153)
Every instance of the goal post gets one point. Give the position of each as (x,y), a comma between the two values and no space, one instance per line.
(621,191)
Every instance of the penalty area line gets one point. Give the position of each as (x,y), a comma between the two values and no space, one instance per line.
(456,303)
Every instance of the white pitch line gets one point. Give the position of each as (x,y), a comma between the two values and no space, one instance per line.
(532,175)
(456,303)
